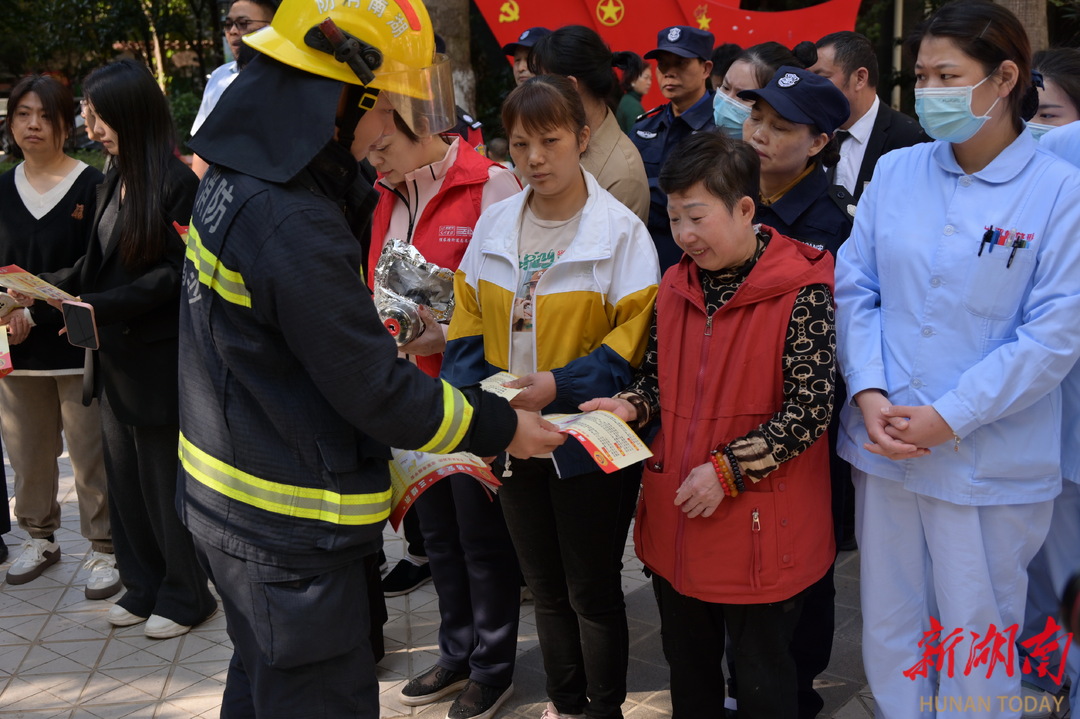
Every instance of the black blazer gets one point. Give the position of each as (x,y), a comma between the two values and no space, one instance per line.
(137,312)
(892,130)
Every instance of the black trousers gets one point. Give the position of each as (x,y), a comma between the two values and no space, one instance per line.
(154,550)
(570,535)
(300,641)
(759,635)
(5,520)
(476,575)
(811,645)
(414,537)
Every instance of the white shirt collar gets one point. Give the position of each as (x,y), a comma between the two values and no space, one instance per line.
(862,128)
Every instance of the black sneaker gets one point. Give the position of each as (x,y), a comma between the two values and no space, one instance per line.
(405,577)
(431,686)
(479,701)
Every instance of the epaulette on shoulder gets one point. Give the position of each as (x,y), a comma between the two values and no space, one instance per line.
(843,199)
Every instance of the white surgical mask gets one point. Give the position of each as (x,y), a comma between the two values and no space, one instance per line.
(1038,129)
(729,114)
(945,112)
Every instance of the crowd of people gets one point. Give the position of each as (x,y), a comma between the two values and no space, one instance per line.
(835,325)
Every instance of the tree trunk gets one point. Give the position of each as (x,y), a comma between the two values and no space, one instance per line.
(155,42)
(451,21)
(1032,14)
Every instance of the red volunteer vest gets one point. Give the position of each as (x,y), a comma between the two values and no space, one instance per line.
(444,226)
(717,383)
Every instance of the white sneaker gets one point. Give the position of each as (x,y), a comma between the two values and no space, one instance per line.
(120,617)
(104,578)
(37,555)
(159,627)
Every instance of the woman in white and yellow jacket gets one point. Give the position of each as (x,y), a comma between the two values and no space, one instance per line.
(558,287)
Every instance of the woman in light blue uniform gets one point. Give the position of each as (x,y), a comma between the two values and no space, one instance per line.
(1058,559)
(956,302)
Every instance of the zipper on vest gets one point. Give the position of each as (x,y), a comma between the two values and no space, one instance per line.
(685,465)
(755,533)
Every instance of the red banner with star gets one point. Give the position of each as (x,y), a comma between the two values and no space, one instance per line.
(633,24)
(728,23)
(622,32)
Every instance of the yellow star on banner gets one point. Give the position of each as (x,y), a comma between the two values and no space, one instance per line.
(702,17)
(610,12)
(509,12)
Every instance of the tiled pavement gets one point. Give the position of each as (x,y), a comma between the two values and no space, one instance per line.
(60,658)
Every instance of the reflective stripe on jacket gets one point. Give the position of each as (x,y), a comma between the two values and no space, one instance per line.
(291,389)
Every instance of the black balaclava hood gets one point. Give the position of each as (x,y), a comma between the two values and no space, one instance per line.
(270,122)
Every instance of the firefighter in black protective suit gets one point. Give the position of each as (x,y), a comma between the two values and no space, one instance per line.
(291,388)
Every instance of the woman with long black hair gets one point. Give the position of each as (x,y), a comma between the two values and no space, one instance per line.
(130,275)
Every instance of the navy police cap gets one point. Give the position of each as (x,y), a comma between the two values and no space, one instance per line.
(684,41)
(800,96)
(526,40)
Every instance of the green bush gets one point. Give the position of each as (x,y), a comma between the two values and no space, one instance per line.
(94,158)
(185,106)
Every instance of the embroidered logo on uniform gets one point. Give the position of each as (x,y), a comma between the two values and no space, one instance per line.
(455,233)
(191,281)
(645,134)
(788,80)
(78,213)
(673,34)
(214,198)
(524,35)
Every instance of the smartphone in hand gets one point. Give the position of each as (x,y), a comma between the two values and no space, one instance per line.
(80,324)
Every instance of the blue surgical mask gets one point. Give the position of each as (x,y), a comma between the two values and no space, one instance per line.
(1038,129)
(945,112)
(729,114)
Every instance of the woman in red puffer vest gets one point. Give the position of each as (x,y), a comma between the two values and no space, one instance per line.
(734,520)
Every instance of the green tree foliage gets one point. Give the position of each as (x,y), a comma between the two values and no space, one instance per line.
(1064,22)
(71,37)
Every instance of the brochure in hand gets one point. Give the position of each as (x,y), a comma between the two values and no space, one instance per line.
(610,441)
(413,472)
(16,278)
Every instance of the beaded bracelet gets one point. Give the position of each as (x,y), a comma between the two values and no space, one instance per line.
(724,474)
(736,470)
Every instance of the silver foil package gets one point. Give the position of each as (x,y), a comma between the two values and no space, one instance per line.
(405,280)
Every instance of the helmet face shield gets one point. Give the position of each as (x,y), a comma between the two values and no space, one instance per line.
(423,97)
